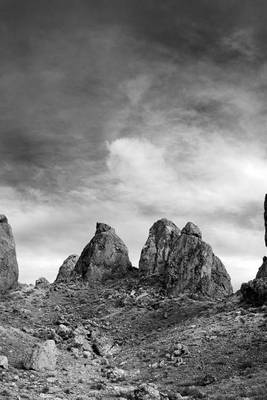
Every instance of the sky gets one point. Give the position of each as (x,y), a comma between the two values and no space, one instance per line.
(128,111)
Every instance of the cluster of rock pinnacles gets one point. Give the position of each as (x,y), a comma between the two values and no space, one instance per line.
(179,260)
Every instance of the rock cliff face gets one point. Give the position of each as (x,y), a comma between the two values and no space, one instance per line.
(8,260)
(187,264)
(66,269)
(156,251)
(255,291)
(265,218)
(106,256)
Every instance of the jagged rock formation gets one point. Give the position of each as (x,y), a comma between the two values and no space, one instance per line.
(106,256)
(188,263)
(262,272)
(255,291)
(265,218)
(66,269)
(156,251)
(8,261)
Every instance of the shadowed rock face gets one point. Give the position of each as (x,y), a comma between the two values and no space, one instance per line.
(106,256)
(156,251)
(265,218)
(8,260)
(66,269)
(262,272)
(189,263)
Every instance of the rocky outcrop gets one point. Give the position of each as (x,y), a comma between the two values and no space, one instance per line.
(105,257)
(254,292)
(262,272)
(265,218)
(8,261)
(156,251)
(187,264)
(66,269)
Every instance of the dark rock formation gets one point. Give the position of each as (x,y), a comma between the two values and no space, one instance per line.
(262,272)
(186,263)
(105,257)
(156,251)
(66,269)
(8,261)
(265,218)
(255,292)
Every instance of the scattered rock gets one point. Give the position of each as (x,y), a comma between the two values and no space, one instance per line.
(43,357)
(3,362)
(105,257)
(8,261)
(66,269)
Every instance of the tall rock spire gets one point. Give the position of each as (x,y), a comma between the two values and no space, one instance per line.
(265,218)
(8,261)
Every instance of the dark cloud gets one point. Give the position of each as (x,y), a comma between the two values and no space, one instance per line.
(128,111)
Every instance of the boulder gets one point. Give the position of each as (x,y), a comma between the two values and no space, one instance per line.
(66,269)
(41,283)
(8,261)
(183,262)
(156,251)
(3,362)
(105,257)
(43,357)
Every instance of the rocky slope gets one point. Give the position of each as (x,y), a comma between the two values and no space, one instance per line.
(8,260)
(182,261)
(105,257)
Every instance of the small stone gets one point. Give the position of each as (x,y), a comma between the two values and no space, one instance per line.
(3,362)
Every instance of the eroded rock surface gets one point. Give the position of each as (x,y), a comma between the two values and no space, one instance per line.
(8,260)
(43,357)
(66,269)
(106,256)
(156,251)
(262,272)
(183,261)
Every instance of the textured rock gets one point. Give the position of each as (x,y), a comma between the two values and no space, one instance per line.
(43,357)
(106,256)
(8,260)
(66,269)
(262,272)
(41,283)
(3,362)
(192,229)
(265,218)
(184,263)
(156,251)
(255,292)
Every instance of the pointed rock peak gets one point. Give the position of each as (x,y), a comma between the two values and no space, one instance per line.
(101,227)
(192,229)
(3,219)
